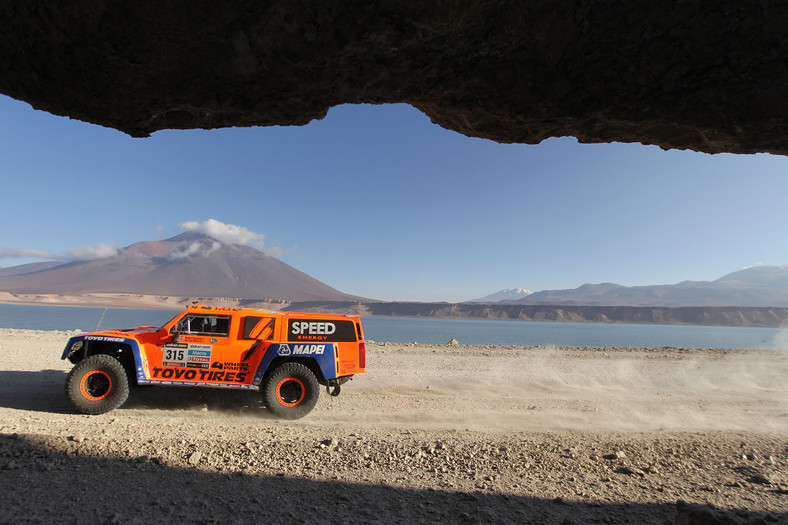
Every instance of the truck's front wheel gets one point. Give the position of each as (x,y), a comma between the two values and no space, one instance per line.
(97,385)
(290,391)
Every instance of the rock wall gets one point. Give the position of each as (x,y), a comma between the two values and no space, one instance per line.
(708,76)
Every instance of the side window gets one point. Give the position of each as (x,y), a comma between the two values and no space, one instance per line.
(259,328)
(218,325)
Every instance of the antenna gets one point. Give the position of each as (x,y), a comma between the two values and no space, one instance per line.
(101,318)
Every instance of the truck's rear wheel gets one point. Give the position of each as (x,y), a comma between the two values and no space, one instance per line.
(97,385)
(290,391)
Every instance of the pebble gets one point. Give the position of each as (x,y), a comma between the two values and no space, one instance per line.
(195,457)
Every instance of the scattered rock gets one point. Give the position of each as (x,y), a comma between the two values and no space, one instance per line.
(631,471)
(329,443)
(195,457)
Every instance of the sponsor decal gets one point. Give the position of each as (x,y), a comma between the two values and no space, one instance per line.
(191,339)
(313,328)
(230,366)
(309,349)
(320,330)
(201,375)
(290,350)
(104,338)
(347,365)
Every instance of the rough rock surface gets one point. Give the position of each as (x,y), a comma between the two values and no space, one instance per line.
(431,434)
(708,76)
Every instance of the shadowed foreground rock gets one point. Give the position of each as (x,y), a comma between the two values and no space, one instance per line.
(708,76)
(694,514)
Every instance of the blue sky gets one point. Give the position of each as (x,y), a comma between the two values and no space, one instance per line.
(378,201)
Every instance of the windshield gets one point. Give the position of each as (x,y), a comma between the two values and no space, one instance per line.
(168,322)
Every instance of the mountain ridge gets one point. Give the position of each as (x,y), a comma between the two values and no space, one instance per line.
(757,286)
(189,264)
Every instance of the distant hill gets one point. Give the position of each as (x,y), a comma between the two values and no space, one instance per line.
(189,264)
(759,286)
(510,294)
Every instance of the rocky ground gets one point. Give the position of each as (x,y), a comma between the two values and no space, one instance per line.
(430,434)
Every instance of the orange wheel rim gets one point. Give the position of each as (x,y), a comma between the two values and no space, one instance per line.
(290,391)
(96,385)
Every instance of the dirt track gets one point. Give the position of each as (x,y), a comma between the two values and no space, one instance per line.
(430,434)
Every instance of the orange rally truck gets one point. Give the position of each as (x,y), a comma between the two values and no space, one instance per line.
(285,355)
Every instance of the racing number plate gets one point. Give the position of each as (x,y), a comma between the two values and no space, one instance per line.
(187,355)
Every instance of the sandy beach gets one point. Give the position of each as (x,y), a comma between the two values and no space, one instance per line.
(430,434)
(112,300)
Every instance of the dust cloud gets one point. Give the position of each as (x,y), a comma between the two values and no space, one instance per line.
(596,390)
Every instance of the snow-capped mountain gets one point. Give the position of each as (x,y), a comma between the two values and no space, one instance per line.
(510,294)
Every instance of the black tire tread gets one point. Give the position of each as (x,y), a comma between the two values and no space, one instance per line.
(116,398)
(282,371)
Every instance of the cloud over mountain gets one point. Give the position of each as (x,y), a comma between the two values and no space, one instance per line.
(229,233)
(89,253)
(192,264)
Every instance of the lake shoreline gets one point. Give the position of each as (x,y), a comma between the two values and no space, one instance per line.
(766,317)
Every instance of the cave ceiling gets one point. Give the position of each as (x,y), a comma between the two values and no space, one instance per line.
(699,75)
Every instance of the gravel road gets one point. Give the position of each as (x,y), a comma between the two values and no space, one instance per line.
(430,434)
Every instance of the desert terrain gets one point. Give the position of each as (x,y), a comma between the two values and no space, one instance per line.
(430,434)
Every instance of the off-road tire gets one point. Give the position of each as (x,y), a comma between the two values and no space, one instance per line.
(290,391)
(97,385)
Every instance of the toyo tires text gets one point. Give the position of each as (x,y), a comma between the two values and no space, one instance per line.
(290,391)
(97,385)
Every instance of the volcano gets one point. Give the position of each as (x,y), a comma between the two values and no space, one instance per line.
(187,265)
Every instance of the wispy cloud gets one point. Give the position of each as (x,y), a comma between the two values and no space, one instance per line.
(88,253)
(234,234)
(85,253)
(10,253)
(190,250)
(229,233)
(194,248)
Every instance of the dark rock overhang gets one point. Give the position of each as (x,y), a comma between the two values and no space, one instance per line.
(707,76)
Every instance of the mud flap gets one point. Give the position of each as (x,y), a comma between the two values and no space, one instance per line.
(336,388)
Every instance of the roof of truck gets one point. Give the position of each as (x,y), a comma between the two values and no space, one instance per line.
(204,308)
